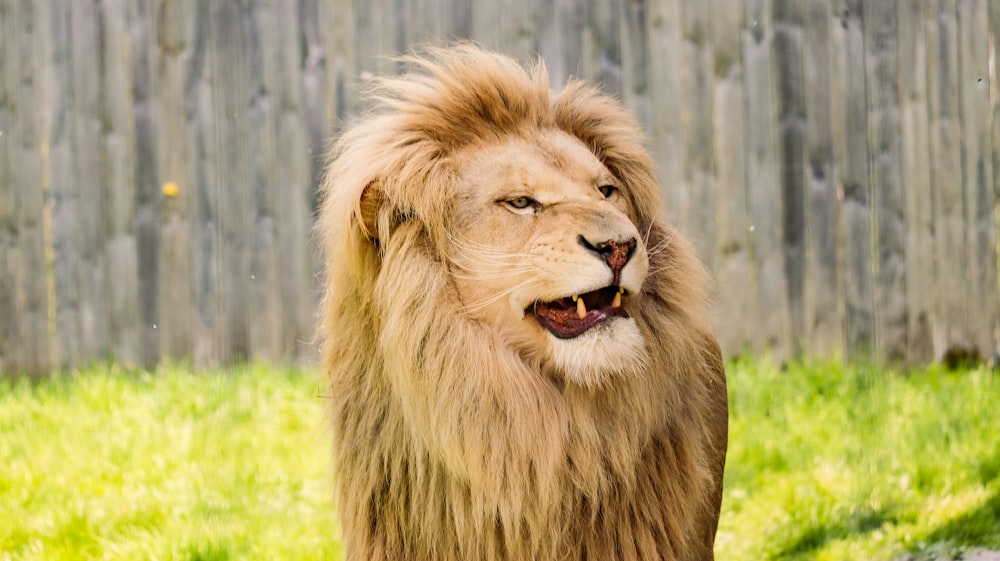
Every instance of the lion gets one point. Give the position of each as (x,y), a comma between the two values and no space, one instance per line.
(520,365)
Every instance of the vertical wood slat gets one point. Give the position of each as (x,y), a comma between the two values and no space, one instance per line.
(993,14)
(602,63)
(665,129)
(791,155)
(953,304)
(179,59)
(338,18)
(697,86)
(141,30)
(732,269)
(316,72)
(225,174)
(206,72)
(63,187)
(560,42)
(770,317)
(87,133)
(823,295)
(850,117)
(274,24)
(9,328)
(977,175)
(915,154)
(635,62)
(292,168)
(117,146)
(888,206)
(28,345)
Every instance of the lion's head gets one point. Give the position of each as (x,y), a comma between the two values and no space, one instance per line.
(515,341)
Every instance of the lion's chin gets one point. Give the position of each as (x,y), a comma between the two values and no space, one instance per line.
(614,348)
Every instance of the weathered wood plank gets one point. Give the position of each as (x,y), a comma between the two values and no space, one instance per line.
(664,88)
(560,41)
(31,351)
(850,119)
(275,24)
(953,299)
(506,26)
(141,29)
(977,176)
(791,155)
(602,45)
(733,258)
(373,23)
(9,328)
(888,204)
(916,177)
(635,60)
(206,131)
(770,318)
(179,59)
(227,178)
(342,72)
(63,187)
(291,179)
(315,89)
(87,133)
(697,113)
(118,180)
(823,298)
(993,13)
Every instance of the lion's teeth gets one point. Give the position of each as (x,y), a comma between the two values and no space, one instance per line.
(576,297)
(581,308)
(617,302)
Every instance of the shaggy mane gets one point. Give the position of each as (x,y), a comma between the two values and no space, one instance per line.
(448,444)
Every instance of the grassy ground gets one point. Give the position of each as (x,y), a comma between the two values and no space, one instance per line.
(825,463)
(832,463)
(170,465)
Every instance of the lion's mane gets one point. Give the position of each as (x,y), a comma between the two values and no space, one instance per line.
(448,444)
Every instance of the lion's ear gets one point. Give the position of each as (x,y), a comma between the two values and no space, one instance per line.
(368,211)
(377,216)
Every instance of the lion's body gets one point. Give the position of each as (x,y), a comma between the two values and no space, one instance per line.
(462,429)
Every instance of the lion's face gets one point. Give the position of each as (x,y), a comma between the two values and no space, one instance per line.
(542,247)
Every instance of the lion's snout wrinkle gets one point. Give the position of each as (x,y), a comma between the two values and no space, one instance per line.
(451,441)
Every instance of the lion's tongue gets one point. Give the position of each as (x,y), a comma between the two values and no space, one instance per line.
(566,319)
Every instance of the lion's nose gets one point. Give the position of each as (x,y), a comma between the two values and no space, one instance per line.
(616,253)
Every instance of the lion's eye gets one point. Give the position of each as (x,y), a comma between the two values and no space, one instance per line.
(607,190)
(521,202)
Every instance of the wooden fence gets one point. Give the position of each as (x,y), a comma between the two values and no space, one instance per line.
(835,161)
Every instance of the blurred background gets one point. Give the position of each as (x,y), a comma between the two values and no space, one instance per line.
(835,162)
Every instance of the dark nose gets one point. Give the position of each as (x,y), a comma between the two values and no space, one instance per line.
(613,252)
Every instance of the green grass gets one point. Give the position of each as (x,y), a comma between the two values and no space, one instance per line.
(835,463)
(825,463)
(166,465)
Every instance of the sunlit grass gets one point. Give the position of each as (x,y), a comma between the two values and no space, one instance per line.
(166,465)
(846,463)
(825,463)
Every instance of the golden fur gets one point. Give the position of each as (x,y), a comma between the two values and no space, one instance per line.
(462,429)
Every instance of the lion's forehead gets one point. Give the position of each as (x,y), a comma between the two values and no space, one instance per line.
(549,158)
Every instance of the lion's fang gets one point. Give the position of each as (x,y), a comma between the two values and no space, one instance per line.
(617,302)
(581,308)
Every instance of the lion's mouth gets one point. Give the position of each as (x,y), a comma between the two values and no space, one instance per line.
(571,316)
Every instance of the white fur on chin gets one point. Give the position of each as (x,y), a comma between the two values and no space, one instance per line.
(611,349)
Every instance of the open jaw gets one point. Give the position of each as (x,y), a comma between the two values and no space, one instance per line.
(572,316)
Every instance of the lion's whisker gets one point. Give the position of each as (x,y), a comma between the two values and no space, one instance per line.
(475,306)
